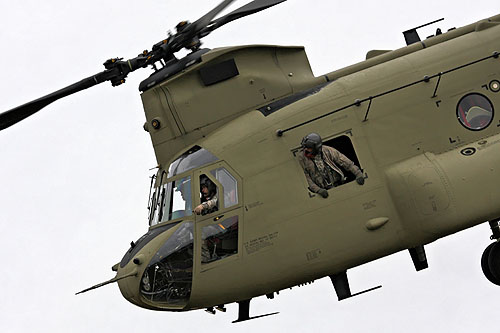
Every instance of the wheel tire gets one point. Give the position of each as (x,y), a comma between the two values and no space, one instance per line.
(486,267)
(494,260)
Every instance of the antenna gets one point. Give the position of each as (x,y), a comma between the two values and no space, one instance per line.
(411,36)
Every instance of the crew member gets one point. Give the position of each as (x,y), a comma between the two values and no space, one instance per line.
(321,165)
(208,197)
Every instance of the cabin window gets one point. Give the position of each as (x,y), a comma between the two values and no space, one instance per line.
(193,158)
(475,111)
(171,201)
(322,173)
(219,240)
(344,145)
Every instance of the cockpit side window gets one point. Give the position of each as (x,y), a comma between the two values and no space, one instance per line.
(229,185)
(193,158)
(209,196)
(218,189)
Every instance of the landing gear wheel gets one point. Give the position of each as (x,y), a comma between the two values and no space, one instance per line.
(491,268)
(494,260)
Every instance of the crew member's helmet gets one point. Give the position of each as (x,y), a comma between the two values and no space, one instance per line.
(206,182)
(313,141)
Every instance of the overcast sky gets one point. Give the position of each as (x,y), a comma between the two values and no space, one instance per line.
(74,178)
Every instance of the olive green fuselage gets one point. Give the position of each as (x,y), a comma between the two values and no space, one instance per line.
(427,175)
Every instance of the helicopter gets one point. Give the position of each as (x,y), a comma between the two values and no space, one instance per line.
(368,120)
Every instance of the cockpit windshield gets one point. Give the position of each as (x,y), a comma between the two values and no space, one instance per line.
(171,201)
(193,158)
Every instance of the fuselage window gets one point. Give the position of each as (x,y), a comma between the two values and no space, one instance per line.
(219,240)
(344,145)
(475,111)
(327,164)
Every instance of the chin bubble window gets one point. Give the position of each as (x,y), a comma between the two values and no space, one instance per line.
(219,240)
(168,277)
(475,111)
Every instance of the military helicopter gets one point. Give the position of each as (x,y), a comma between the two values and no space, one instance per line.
(292,142)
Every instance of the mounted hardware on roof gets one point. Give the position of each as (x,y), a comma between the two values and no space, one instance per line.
(411,36)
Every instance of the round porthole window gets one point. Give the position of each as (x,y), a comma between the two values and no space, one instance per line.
(475,111)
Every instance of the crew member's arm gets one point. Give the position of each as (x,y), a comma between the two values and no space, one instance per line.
(348,165)
(209,204)
(205,206)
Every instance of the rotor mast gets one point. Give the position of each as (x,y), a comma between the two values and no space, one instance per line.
(188,35)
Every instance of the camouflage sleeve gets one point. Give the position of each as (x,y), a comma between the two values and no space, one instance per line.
(209,204)
(346,163)
(312,185)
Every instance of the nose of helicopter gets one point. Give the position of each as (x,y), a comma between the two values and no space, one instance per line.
(159,268)
(129,286)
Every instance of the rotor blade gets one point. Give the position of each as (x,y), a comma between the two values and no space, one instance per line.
(15,115)
(205,20)
(177,42)
(248,9)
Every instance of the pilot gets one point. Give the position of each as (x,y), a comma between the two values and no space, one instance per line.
(208,197)
(183,186)
(323,165)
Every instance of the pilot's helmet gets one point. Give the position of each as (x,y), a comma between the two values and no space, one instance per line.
(313,141)
(206,182)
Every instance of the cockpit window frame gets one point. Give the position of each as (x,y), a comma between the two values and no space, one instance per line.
(206,170)
(162,179)
(220,215)
(234,211)
(220,198)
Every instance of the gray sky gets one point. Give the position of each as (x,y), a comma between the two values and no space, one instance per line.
(74,178)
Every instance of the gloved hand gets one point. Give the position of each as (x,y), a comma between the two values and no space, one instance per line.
(323,193)
(360,180)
